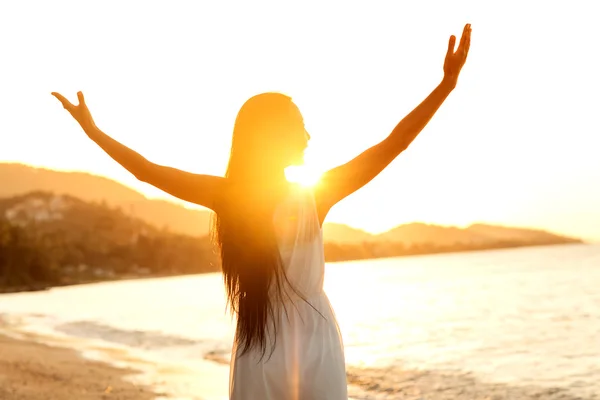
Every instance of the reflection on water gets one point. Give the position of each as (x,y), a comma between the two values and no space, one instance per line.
(525,316)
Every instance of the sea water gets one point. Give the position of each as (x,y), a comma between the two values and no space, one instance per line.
(520,317)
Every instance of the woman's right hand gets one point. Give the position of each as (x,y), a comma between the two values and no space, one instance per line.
(455,60)
(80,112)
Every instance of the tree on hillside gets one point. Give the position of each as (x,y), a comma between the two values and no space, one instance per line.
(22,261)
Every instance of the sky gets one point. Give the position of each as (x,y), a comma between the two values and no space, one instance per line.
(514,144)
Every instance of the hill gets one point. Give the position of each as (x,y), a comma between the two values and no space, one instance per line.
(18,179)
(421,234)
(48,239)
(340,233)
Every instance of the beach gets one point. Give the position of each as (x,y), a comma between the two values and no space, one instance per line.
(425,328)
(33,371)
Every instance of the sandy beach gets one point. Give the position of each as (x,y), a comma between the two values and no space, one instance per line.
(466,340)
(32,371)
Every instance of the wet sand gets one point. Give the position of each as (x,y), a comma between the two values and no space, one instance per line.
(32,371)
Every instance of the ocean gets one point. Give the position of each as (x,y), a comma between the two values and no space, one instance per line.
(515,323)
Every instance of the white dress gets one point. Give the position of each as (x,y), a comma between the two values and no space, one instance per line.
(307,362)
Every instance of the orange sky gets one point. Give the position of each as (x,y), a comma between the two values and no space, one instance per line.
(514,144)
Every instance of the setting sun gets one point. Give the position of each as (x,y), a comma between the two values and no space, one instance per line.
(278,200)
(456,173)
(303,175)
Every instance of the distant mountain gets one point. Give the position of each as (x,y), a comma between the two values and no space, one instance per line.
(18,179)
(341,233)
(49,239)
(507,233)
(420,233)
(424,233)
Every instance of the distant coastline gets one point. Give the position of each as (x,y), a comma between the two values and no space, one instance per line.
(429,250)
(49,240)
(60,228)
(41,286)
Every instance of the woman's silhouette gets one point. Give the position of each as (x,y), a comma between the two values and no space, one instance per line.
(287,343)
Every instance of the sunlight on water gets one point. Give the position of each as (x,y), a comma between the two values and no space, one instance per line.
(526,316)
(509,316)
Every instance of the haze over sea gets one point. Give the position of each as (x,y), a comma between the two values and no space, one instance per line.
(522,321)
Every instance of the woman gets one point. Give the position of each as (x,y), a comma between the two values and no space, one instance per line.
(287,343)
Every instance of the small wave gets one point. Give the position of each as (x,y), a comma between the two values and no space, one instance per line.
(146,340)
(172,365)
(220,356)
(156,343)
(397,383)
(174,347)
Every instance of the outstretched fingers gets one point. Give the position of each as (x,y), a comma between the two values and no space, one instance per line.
(451,44)
(468,40)
(66,103)
(463,37)
(80,98)
(465,40)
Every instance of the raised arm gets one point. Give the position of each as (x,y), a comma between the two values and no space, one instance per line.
(195,188)
(345,179)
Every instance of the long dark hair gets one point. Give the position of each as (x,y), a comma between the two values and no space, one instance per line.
(243,231)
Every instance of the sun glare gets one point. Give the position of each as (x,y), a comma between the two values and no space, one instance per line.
(302,175)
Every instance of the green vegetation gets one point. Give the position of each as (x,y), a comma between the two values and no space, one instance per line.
(50,240)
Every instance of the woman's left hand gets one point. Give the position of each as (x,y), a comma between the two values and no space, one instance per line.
(80,112)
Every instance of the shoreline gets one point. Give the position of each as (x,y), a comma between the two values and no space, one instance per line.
(452,250)
(32,371)
(37,287)
(452,385)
